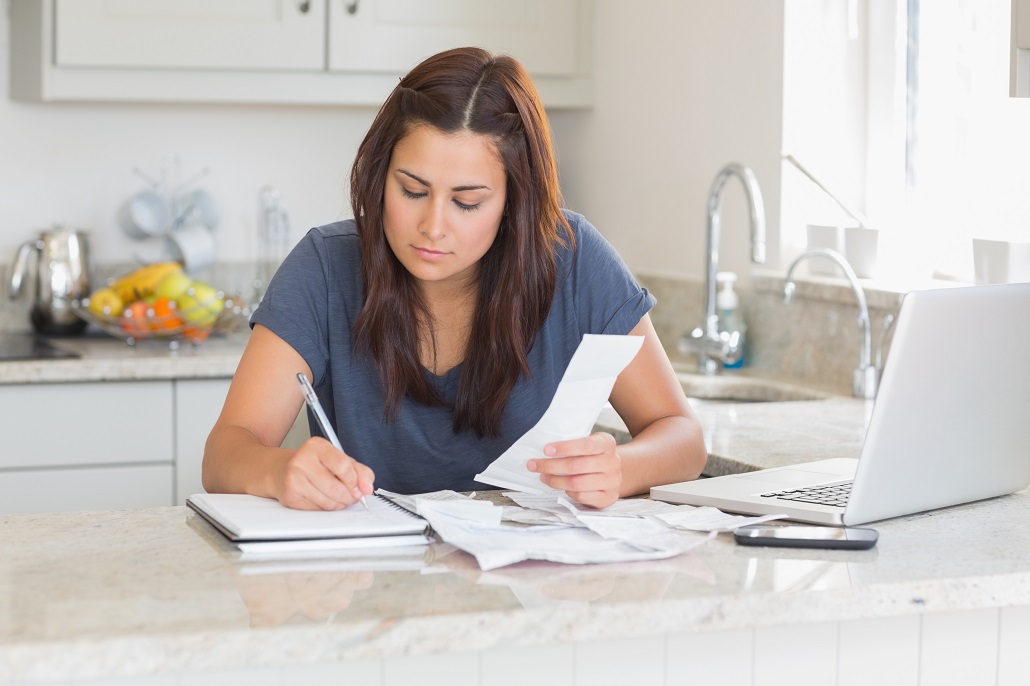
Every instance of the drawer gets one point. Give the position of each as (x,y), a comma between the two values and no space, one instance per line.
(85,488)
(76,424)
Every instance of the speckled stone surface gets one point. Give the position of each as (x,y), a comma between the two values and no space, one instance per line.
(148,592)
(104,358)
(133,593)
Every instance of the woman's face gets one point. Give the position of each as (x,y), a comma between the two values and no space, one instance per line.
(443,202)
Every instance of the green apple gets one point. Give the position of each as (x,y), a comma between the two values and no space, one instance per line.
(200,304)
(173,285)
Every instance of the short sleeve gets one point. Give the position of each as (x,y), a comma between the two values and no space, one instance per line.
(295,303)
(607,297)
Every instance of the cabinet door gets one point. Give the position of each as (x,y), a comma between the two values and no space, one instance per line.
(197,405)
(88,488)
(170,34)
(78,424)
(392,36)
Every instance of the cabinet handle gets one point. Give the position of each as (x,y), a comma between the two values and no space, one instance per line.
(351,7)
(303,6)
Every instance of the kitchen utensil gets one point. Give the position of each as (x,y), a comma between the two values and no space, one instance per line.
(857,243)
(193,246)
(146,214)
(62,275)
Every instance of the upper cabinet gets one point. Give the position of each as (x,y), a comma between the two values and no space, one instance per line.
(394,35)
(331,52)
(1019,74)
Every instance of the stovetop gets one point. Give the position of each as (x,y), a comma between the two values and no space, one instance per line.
(26,346)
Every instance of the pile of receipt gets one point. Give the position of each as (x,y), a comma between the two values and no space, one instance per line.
(550,526)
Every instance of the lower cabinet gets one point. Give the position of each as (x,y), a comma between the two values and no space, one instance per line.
(104,445)
(197,405)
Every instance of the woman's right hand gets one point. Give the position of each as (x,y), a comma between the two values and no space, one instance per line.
(320,477)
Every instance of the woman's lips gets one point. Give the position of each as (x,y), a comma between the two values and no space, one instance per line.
(431,255)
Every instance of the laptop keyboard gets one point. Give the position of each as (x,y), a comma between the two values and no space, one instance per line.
(834,495)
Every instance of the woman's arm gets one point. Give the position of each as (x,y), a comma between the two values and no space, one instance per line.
(667,444)
(242,454)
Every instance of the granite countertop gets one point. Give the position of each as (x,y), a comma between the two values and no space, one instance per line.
(105,358)
(127,593)
(157,591)
(798,424)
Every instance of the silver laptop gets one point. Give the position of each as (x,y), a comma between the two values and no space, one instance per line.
(951,423)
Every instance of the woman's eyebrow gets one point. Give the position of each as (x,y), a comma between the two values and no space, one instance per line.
(456,189)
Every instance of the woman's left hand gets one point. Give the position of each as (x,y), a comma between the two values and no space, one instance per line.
(587,469)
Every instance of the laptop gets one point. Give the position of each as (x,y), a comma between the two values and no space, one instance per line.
(950,425)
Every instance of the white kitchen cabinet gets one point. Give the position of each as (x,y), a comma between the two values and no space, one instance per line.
(104,445)
(172,34)
(393,35)
(1019,78)
(198,403)
(81,424)
(330,52)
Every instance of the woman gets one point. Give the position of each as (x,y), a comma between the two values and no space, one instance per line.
(437,324)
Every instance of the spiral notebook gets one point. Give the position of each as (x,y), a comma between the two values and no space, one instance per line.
(257,524)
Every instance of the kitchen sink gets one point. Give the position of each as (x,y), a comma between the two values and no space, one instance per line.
(741,389)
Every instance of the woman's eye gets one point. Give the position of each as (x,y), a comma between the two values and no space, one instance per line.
(466,208)
(409,194)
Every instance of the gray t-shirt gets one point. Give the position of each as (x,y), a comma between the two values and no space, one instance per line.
(314,300)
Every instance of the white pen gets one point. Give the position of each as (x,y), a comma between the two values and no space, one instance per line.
(316,407)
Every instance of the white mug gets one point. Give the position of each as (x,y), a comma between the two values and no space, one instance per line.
(821,236)
(1001,261)
(861,250)
(145,214)
(193,246)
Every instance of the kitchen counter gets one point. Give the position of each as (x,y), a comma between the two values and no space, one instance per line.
(158,591)
(105,358)
(156,595)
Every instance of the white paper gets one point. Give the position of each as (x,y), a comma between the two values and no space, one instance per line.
(709,519)
(498,545)
(581,394)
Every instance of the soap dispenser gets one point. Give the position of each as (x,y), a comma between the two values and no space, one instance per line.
(730,319)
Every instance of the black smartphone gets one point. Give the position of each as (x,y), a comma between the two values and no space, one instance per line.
(846,538)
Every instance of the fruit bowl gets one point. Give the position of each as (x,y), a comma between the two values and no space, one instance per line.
(193,324)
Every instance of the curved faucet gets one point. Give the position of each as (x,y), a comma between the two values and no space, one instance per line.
(864,379)
(711,345)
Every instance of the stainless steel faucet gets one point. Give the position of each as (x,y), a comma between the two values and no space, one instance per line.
(712,346)
(866,375)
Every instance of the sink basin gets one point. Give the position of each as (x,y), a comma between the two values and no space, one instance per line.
(743,389)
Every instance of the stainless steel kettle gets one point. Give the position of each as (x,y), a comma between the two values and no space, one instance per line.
(62,275)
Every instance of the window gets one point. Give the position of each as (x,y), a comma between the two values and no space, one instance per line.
(967,142)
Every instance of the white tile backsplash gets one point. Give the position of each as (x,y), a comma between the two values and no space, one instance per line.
(959,648)
(618,663)
(538,665)
(879,651)
(796,655)
(723,658)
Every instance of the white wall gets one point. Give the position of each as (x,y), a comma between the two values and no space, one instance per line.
(682,88)
(71,163)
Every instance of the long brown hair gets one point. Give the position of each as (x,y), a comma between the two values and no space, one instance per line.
(466,89)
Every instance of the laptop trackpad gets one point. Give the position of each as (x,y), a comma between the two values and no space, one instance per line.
(787,477)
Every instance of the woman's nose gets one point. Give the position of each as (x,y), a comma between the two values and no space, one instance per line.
(432,225)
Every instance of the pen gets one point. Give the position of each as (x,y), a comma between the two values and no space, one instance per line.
(316,407)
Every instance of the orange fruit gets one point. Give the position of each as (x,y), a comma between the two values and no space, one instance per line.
(134,319)
(195,334)
(166,315)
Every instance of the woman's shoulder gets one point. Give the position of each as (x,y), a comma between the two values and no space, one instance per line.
(344,229)
(586,238)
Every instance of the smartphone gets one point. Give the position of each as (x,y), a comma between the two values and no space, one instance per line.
(847,538)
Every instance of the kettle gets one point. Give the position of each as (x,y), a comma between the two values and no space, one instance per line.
(62,275)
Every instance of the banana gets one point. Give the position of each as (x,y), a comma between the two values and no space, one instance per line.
(141,282)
